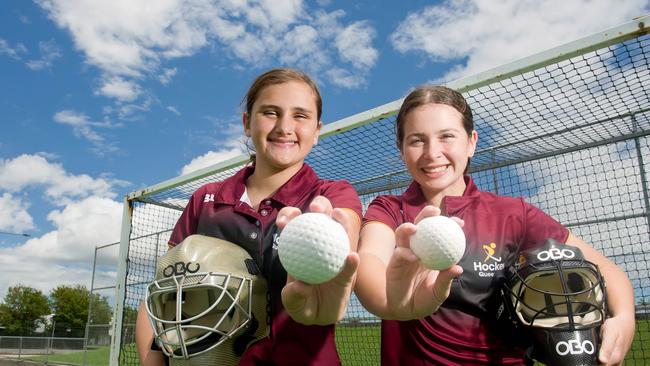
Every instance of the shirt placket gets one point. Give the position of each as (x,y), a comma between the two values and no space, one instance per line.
(262,222)
(253,231)
(265,211)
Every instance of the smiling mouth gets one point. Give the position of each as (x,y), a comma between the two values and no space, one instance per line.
(438,169)
(283,142)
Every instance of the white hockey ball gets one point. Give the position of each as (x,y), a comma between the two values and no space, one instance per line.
(313,247)
(439,242)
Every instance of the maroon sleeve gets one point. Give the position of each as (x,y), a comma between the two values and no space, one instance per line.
(189,220)
(385,209)
(342,195)
(540,226)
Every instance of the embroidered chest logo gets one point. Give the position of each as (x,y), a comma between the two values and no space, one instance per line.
(491,263)
(209,197)
(489,250)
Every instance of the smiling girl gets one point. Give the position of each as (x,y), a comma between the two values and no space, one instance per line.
(282,120)
(447,317)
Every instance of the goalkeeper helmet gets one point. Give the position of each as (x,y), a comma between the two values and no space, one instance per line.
(559,298)
(207,302)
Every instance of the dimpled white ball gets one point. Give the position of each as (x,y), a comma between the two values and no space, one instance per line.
(313,247)
(439,242)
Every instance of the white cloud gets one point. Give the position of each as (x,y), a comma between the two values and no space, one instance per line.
(120,89)
(173,110)
(273,14)
(80,124)
(491,33)
(14,52)
(253,48)
(227,146)
(49,51)
(80,226)
(35,272)
(83,127)
(328,24)
(130,111)
(45,274)
(111,33)
(166,76)
(130,41)
(345,78)
(88,217)
(304,49)
(210,158)
(354,44)
(13,214)
(60,186)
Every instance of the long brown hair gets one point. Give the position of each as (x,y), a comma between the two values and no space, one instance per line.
(274,77)
(434,94)
(281,76)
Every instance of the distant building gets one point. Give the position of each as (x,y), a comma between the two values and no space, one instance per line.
(643,311)
(43,323)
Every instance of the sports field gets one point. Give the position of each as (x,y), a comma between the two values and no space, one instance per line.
(364,349)
(97,356)
(358,346)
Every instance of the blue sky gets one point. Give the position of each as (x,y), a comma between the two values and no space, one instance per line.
(99,99)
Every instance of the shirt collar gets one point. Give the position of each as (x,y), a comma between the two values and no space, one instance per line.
(288,194)
(413,199)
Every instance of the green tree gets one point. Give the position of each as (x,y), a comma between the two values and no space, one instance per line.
(70,306)
(101,311)
(22,310)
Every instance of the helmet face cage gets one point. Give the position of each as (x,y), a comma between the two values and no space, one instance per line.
(564,295)
(560,299)
(207,306)
(202,298)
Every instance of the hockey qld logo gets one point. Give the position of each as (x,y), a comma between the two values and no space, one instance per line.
(490,264)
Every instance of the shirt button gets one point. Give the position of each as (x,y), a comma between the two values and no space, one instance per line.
(264,212)
(257,223)
(267,202)
(253,235)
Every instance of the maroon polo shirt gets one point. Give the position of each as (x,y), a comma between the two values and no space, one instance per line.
(464,331)
(215,209)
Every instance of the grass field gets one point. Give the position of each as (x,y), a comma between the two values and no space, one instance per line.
(640,352)
(358,346)
(97,356)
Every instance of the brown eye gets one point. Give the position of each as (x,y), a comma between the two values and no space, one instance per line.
(415,142)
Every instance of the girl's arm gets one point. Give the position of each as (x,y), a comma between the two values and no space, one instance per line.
(376,246)
(144,339)
(618,330)
(392,283)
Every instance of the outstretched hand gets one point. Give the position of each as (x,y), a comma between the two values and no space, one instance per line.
(325,303)
(413,291)
(616,333)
